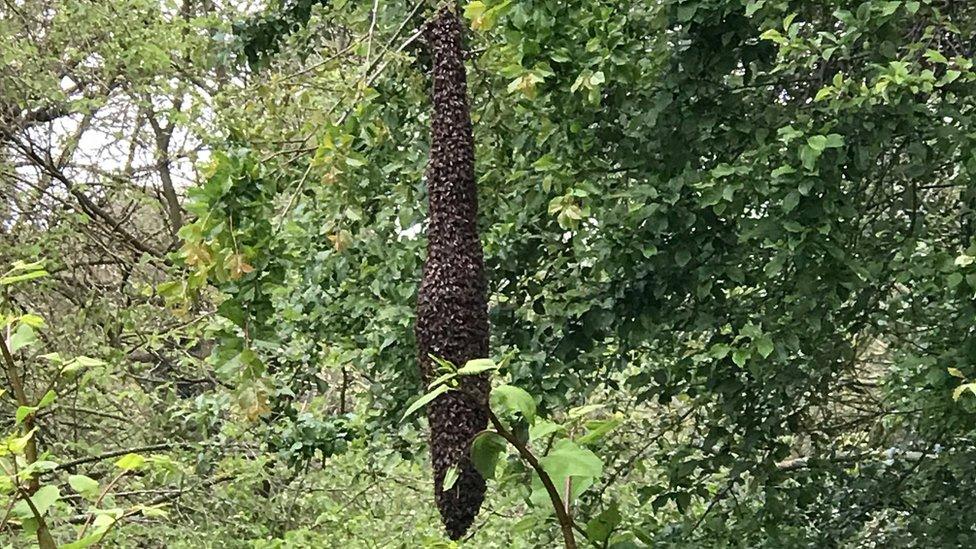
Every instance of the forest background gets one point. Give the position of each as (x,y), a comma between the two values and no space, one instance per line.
(729,243)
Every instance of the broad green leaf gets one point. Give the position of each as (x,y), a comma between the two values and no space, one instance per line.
(783,170)
(598,529)
(682,257)
(817,142)
(790,201)
(424,400)
(43,499)
(544,427)
(753,6)
(88,540)
(477,366)
(773,35)
(540,498)
(47,399)
(568,459)
(23,337)
(823,93)
(39,466)
(809,156)
(722,170)
(487,448)
(740,356)
(33,321)
(130,462)
(956,372)
(834,141)
(764,346)
(23,412)
(85,486)
(17,444)
(511,398)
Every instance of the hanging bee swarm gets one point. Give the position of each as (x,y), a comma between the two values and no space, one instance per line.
(452,311)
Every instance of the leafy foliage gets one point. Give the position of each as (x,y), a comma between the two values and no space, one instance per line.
(729,246)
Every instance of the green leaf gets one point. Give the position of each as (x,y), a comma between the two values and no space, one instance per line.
(890,7)
(834,141)
(23,337)
(568,459)
(7,280)
(740,356)
(487,449)
(450,477)
(581,411)
(130,462)
(19,266)
(442,379)
(686,12)
(599,528)
(17,444)
(424,400)
(722,170)
(971,387)
(23,412)
(753,6)
(933,55)
(682,257)
(540,498)
(817,142)
(682,500)
(809,156)
(956,372)
(513,399)
(474,9)
(719,351)
(765,346)
(597,429)
(783,170)
(47,399)
(87,362)
(43,499)
(445,365)
(544,427)
(33,321)
(790,201)
(85,486)
(774,36)
(477,366)
(86,541)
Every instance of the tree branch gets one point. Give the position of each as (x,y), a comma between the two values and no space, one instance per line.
(565,521)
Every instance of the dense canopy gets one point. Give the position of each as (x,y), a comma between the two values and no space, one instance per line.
(729,245)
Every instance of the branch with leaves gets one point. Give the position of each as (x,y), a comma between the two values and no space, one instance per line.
(566,463)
